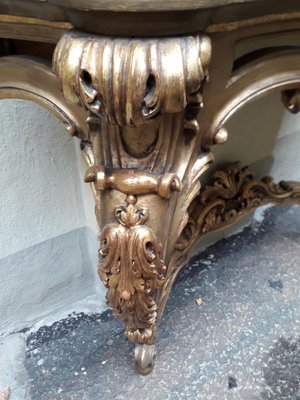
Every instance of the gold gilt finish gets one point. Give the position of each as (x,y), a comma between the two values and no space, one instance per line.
(128,82)
(132,270)
(143,97)
(234,193)
(148,100)
(148,142)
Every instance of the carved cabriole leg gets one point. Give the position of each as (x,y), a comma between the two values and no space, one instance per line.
(145,157)
(146,153)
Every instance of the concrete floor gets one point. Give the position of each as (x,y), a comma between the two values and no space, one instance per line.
(241,342)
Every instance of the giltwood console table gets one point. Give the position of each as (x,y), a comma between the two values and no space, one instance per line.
(148,87)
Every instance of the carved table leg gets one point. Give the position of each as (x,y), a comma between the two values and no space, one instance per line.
(146,155)
(143,97)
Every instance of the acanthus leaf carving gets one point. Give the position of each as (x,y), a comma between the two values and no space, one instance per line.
(129,81)
(132,269)
(233,194)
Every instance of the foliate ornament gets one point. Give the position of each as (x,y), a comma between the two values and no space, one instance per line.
(132,270)
(233,194)
(129,81)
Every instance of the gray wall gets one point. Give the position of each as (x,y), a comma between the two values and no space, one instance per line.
(48,235)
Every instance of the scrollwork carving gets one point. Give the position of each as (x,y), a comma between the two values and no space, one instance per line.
(132,270)
(234,193)
(129,81)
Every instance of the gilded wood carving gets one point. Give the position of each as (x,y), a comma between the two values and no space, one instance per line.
(129,81)
(233,194)
(146,118)
(132,269)
(144,97)
(147,150)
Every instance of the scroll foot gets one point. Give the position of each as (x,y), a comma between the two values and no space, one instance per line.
(144,357)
